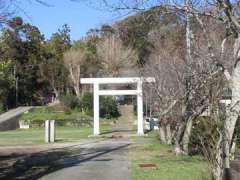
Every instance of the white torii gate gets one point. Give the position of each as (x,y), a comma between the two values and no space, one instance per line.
(97,92)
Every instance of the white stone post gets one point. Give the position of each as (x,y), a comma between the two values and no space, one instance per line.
(52,131)
(140,108)
(47,131)
(96,130)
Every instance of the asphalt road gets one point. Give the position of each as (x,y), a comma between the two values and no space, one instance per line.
(105,160)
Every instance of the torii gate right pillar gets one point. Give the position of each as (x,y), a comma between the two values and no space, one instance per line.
(140,109)
(96,128)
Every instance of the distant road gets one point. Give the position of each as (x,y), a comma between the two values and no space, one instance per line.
(8,120)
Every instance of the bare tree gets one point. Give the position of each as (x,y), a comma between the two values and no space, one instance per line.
(8,8)
(4,11)
(166,64)
(52,71)
(73,60)
(209,65)
(116,59)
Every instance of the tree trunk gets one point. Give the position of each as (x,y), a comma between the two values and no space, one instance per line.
(233,148)
(56,93)
(77,90)
(75,78)
(186,131)
(168,134)
(162,134)
(234,109)
(178,139)
(187,134)
(229,126)
(217,170)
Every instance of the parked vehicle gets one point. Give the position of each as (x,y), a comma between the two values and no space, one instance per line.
(151,123)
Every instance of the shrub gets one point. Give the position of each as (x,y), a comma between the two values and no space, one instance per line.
(204,131)
(87,103)
(135,107)
(237,133)
(1,108)
(69,118)
(108,106)
(70,101)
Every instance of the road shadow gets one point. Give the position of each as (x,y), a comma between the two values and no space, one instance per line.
(118,131)
(36,165)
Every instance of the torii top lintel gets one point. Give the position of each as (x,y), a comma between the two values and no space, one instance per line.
(116,80)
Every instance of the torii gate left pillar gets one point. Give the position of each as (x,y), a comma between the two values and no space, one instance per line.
(97,92)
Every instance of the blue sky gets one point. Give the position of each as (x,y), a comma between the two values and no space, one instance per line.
(80,16)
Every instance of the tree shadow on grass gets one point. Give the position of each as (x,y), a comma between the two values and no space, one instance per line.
(36,165)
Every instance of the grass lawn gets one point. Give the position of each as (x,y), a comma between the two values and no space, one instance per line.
(66,129)
(169,167)
(36,135)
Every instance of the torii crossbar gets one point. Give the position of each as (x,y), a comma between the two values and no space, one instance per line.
(97,92)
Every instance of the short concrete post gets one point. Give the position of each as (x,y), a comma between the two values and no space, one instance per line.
(47,131)
(52,131)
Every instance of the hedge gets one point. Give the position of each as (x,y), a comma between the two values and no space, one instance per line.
(64,118)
